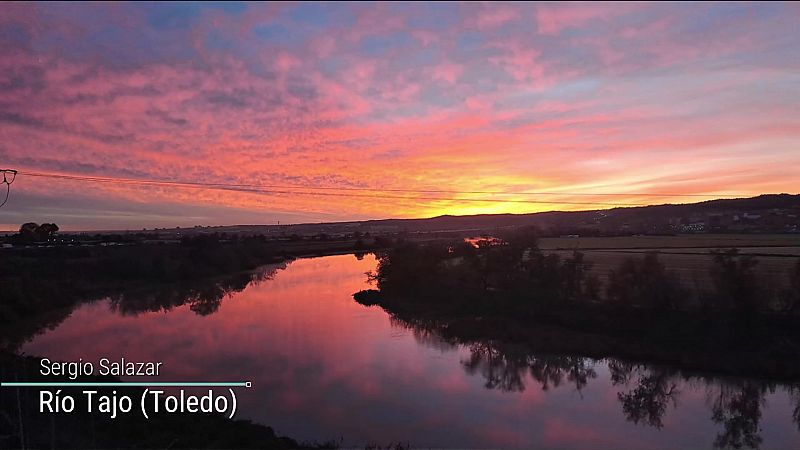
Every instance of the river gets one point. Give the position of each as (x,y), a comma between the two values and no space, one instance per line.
(325,368)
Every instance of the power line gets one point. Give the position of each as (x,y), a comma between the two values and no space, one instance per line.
(351,188)
(274,189)
(268,190)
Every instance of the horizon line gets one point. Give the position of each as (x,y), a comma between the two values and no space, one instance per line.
(131,230)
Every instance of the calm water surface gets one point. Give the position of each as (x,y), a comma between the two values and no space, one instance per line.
(324,367)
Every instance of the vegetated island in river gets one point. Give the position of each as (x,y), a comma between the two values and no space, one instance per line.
(507,289)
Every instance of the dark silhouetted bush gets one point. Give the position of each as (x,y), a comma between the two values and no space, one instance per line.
(644,282)
(734,280)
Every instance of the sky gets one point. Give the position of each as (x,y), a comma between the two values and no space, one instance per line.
(310,112)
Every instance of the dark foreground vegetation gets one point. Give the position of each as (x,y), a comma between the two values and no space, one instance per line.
(510,290)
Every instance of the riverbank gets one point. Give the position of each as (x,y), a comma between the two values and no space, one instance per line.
(691,344)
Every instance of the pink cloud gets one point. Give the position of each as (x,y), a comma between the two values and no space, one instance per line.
(493,16)
(554,18)
(447,72)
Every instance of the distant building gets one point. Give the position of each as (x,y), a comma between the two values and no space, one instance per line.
(694,227)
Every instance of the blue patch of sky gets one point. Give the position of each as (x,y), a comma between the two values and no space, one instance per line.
(317,17)
(470,40)
(573,89)
(589,29)
(331,66)
(380,45)
(277,33)
(294,26)
(230,7)
(437,94)
(314,14)
(435,16)
(719,14)
(485,78)
(182,14)
(123,47)
(417,59)
(119,48)
(171,15)
(567,91)
(218,41)
(15,34)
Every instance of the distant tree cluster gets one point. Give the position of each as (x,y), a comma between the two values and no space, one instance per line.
(31,231)
(516,275)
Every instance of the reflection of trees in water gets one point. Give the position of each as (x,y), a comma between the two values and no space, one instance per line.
(12,340)
(504,368)
(654,389)
(425,334)
(554,369)
(646,392)
(204,297)
(794,394)
(737,407)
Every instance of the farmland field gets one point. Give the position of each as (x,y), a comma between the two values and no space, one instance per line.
(685,255)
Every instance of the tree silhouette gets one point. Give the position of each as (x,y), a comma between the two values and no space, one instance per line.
(734,280)
(28,228)
(648,402)
(793,294)
(46,230)
(643,282)
(738,409)
(31,231)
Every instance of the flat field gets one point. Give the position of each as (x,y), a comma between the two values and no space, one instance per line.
(688,256)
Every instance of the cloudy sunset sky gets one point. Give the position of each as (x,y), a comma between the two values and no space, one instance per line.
(327,112)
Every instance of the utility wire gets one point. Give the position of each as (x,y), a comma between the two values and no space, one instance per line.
(274,189)
(350,188)
(265,189)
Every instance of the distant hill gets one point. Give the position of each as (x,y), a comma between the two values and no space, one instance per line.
(779,213)
(652,217)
